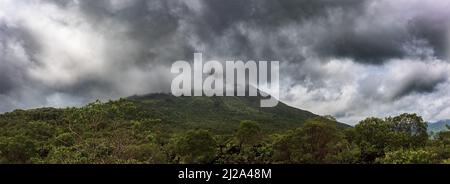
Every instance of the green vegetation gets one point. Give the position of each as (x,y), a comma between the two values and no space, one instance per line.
(161,128)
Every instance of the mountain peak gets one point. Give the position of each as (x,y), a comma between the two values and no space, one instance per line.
(218,112)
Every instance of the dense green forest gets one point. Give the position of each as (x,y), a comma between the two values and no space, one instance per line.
(166,129)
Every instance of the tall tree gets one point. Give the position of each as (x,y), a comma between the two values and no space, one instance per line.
(249,133)
(196,146)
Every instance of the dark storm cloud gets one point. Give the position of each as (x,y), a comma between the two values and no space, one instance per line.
(222,19)
(434,30)
(373,48)
(418,84)
(220,15)
(397,85)
(380,44)
(153,23)
(343,39)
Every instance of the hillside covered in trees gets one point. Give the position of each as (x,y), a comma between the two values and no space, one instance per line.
(160,128)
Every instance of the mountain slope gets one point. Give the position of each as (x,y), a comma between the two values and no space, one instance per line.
(153,128)
(438,126)
(222,113)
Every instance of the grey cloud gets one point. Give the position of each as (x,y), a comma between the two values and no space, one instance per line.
(6,79)
(134,42)
(11,73)
(435,31)
(418,83)
(153,24)
(393,90)
(373,48)
(225,19)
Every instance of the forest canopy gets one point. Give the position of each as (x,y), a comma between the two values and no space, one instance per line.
(120,132)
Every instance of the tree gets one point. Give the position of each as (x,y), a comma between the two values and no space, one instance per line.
(195,146)
(408,157)
(40,131)
(411,130)
(330,117)
(283,148)
(372,136)
(249,133)
(17,149)
(315,142)
(145,153)
(319,139)
(65,155)
(443,138)
(375,136)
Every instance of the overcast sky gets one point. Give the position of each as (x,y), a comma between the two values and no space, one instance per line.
(347,58)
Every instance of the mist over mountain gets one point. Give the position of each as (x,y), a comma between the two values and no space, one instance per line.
(438,126)
(223,113)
